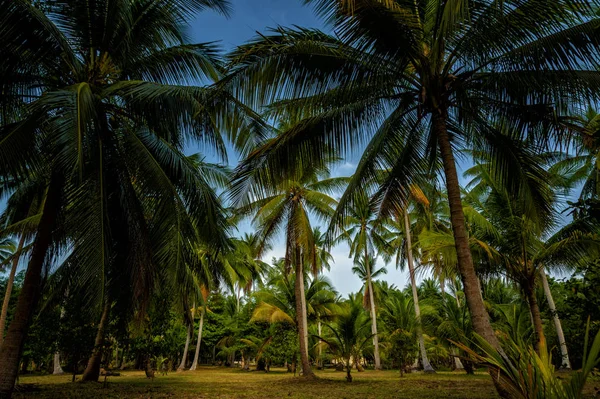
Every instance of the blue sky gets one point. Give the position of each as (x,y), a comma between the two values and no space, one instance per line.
(248,18)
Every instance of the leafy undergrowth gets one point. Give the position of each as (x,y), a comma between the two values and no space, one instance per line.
(212,382)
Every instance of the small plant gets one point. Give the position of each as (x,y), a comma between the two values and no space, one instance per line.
(523,373)
(349,335)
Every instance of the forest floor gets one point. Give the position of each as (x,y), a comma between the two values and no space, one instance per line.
(214,382)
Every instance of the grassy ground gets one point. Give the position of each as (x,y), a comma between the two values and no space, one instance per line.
(212,382)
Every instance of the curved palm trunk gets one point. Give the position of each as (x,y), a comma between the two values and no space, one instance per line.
(9,287)
(565,363)
(411,268)
(472,289)
(11,347)
(536,316)
(373,313)
(301,320)
(199,341)
(92,370)
(185,350)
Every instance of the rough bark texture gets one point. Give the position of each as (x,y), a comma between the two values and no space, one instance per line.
(536,316)
(565,363)
(301,321)
(10,350)
(411,268)
(185,349)
(9,287)
(92,370)
(479,315)
(472,289)
(373,314)
(198,341)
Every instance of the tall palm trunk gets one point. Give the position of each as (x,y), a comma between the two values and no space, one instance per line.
(565,363)
(185,349)
(198,341)
(9,287)
(11,347)
(472,289)
(92,370)
(411,268)
(301,320)
(373,313)
(536,316)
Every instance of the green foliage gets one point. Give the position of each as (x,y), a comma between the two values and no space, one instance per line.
(525,373)
(578,299)
(350,333)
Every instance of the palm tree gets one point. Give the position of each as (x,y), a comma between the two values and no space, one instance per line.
(349,335)
(277,304)
(104,126)
(520,220)
(402,327)
(285,206)
(365,236)
(204,299)
(367,271)
(419,79)
(402,245)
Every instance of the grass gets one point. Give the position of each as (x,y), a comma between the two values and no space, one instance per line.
(213,382)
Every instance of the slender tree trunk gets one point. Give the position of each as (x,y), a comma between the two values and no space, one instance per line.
(92,371)
(301,320)
(472,289)
(199,341)
(319,328)
(411,268)
(348,371)
(9,287)
(373,313)
(565,363)
(11,347)
(121,365)
(185,350)
(57,368)
(536,316)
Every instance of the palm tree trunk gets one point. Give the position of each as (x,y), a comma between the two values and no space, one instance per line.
(199,341)
(411,268)
(457,363)
(11,347)
(92,371)
(57,368)
(301,320)
(536,316)
(9,287)
(348,371)
(373,313)
(472,289)
(565,363)
(185,349)
(319,328)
